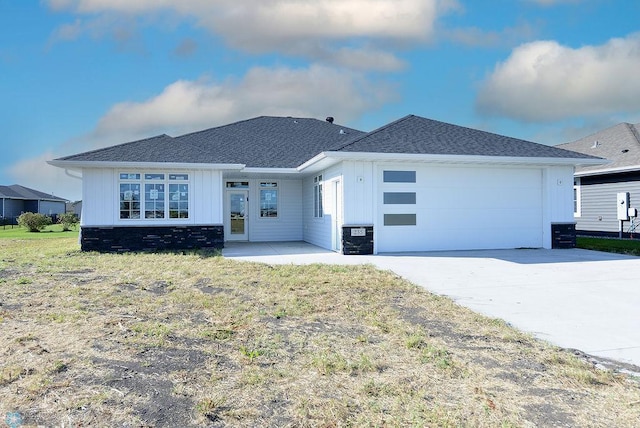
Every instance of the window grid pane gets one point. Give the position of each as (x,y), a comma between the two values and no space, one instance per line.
(129,200)
(154,200)
(178,200)
(268,203)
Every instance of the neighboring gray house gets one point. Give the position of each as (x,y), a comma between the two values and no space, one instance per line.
(16,199)
(596,187)
(414,184)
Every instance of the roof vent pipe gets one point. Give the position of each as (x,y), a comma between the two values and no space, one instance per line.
(329,119)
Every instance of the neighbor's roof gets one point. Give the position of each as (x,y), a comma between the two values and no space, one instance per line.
(414,134)
(262,142)
(620,144)
(15,191)
(286,142)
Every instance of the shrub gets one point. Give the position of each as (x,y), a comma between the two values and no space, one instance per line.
(68,221)
(34,222)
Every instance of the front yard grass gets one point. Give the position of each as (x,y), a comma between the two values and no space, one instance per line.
(195,340)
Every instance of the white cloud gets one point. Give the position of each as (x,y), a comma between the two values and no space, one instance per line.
(290,26)
(185,105)
(37,174)
(543,81)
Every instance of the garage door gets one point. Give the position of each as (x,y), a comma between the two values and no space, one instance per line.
(458,208)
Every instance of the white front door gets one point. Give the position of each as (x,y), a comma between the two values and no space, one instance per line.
(236,218)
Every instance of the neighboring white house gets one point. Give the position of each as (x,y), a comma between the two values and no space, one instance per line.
(596,187)
(413,185)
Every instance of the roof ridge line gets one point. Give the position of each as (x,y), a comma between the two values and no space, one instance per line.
(634,131)
(117,145)
(375,131)
(221,126)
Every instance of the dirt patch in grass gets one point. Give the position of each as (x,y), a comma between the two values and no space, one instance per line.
(194,340)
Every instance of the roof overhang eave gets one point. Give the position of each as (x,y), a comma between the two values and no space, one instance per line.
(333,157)
(80,165)
(278,171)
(603,171)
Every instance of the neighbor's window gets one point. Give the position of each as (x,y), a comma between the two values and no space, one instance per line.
(149,191)
(317,197)
(268,199)
(576,197)
(399,176)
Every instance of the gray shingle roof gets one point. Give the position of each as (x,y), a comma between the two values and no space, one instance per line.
(620,144)
(263,142)
(15,191)
(414,134)
(286,142)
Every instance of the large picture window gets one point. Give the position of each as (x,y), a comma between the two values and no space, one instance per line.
(317,197)
(145,196)
(268,199)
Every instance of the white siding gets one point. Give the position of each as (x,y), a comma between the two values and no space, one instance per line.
(318,231)
(557,190)
(288,225)
(100,199)
(359,193)
(206,197)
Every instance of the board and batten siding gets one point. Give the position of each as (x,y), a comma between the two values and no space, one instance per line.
(288,225)
(318,230)
(100,198)
(598,203)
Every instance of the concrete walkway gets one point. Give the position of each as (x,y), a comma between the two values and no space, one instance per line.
(579,299)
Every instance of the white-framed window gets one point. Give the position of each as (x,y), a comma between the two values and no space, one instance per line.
(144,195)
(318,211)
(576,197)
(268,199)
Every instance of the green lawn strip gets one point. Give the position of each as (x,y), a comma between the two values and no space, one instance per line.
(611,245)
(53,231)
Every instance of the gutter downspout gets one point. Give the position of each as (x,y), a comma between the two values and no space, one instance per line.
(67,172)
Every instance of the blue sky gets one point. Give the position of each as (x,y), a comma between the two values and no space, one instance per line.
(76,75)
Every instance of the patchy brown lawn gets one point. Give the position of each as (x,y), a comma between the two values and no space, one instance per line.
(198,340)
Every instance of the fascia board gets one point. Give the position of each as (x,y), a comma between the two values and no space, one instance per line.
(608,171)
(79,165)
(253,170)
(409,157)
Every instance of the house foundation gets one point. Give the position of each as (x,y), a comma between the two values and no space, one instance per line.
(151,238)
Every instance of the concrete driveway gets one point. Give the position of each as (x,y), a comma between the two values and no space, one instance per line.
(579,299)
